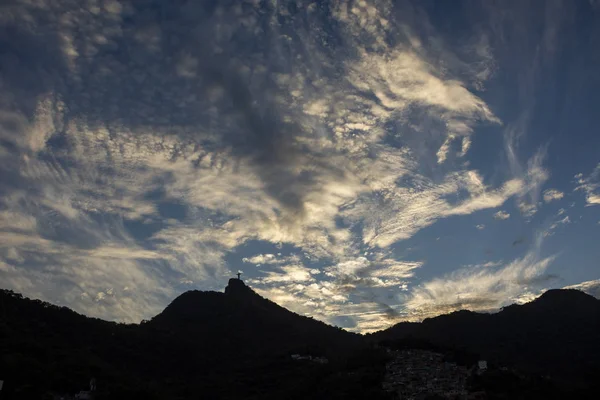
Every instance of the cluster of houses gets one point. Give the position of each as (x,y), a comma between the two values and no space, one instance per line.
(318,360)
(418,374)
(82,395)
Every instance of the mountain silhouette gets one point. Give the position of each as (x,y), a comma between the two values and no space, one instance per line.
(249,325)
(238,345)
(214,345)
(555,335)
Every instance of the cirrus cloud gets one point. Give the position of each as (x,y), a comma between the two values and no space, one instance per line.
(145,169)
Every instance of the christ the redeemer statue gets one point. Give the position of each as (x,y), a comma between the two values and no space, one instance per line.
(239,274)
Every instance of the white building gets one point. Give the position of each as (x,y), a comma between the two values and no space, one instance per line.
(84,395)
(482,365)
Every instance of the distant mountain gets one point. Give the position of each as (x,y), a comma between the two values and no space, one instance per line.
(557,334)
(240,324)
(213,345)
(239,345)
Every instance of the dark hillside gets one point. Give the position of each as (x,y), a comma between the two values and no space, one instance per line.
(556,335)
(219,345)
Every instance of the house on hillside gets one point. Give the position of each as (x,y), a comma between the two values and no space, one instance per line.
(299,357)
(87,394)
(84,395)
(481,366)
(319,360)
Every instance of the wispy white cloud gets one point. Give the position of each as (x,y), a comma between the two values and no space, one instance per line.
(501,215)
(534,174)
(590,287)
(334,296)
(537,175)
(337,153)
(377,272)
(90,284)
(403,211)
(555,224)
(403,79)
(288,273)
(552,194)
(260,259)
(590,185)
(124,253)
(480,288)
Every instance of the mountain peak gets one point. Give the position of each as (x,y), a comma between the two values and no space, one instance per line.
(568,299)
(196,305)
(565,294)
(236,287)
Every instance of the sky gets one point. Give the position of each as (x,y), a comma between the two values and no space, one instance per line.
(360,162)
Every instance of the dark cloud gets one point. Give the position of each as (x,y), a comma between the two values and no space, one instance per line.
(390,313)
(518,241)
(173,68)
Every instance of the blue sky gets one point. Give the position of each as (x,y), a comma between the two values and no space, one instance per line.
(362,162)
